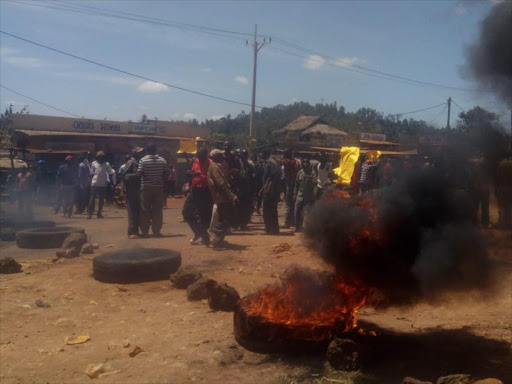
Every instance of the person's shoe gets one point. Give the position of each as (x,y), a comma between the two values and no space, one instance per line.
(195,240)
(133,237)
(205,241)
(100,216)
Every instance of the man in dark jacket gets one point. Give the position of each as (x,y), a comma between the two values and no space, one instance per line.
(131,182)
(66,181)
(222,196)
(270,192)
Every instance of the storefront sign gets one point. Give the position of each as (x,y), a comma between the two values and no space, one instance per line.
(373,136)
(143,129)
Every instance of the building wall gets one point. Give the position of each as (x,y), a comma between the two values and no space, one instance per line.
(65,124)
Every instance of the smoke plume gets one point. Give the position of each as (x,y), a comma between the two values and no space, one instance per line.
(409,241)
(490,57)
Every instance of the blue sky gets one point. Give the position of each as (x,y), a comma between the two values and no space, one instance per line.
(424,40)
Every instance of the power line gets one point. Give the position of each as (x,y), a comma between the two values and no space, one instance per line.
(438,115)
(310,51)
(458,106)
(81,8)
(126,72)
(419,110)
(38,101)
(182,26)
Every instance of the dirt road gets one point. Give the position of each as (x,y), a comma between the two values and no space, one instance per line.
(185,342)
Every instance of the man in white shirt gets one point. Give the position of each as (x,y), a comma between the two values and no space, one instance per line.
(102,173)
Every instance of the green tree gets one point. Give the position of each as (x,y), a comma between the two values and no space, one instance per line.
(7,130)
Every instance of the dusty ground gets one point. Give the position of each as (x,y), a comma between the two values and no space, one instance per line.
(185,342)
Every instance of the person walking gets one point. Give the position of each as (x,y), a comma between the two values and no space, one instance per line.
(153,172)
(84,185)
(270,193)
(291,168)
(246,190)
(66,180)
(197,210)
(24,189)
(222,195)
(102,174)
(131,182)
(304,192)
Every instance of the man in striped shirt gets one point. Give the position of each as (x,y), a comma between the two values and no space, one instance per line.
(153,171)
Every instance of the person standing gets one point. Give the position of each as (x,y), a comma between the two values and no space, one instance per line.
(323,171)
(246,190)
(131,182)
(66,179)
(153,172)
(84,185)
(222,195)
(102,174)
(304,191)
(503,188)
(270,192)
(197,210)
(291,168)
(24,189)
(367,180)
(172,180)
(260,172)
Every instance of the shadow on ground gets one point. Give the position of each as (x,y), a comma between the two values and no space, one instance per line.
(390,356)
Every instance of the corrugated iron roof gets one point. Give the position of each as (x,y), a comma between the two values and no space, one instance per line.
(324,129)
(30,132)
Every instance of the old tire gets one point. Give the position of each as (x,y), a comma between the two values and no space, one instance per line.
(43,238)
(136,265)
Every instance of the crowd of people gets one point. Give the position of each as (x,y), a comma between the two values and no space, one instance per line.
(226,187)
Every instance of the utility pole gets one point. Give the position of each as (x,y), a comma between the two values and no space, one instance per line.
(449,108)
(256,48)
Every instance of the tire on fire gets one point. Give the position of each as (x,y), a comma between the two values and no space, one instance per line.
(136,265)
(43,238)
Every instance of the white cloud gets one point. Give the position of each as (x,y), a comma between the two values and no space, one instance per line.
(186,116)
(241,80)
(8,51)
(121,80)
(189,116)
(23,61)
(207,69)
(294,100)
(460,9)
(152,87)
(217,117)
(347,61)
(314,62)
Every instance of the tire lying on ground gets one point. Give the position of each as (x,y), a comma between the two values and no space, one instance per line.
(43,238)
(135,265)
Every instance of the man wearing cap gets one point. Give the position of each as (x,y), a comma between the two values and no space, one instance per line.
(153,171)
(102,174)
(222,196)
(66,183)
(131,182)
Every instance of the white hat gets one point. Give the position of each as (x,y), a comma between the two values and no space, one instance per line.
(215,152)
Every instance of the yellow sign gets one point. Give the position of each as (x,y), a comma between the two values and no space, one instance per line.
(348,158)
(373,155)
(188,146)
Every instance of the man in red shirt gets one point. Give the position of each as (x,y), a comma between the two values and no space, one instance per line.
(197,210)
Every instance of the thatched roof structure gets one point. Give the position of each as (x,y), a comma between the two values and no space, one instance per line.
(323,129)
(310,125)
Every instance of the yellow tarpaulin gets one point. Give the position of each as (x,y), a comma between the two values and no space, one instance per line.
(188,146)
(348,158)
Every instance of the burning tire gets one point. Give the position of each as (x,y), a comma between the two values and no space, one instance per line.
(136,265)
(43,238)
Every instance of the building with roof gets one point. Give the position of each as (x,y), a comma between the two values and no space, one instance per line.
(51,138)
(309,131)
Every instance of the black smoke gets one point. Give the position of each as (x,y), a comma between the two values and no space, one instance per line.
(410,241)
(490,57)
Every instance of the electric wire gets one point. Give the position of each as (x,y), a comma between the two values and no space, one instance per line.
(462,109)
(39,101)
(126,72)
(418,110)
